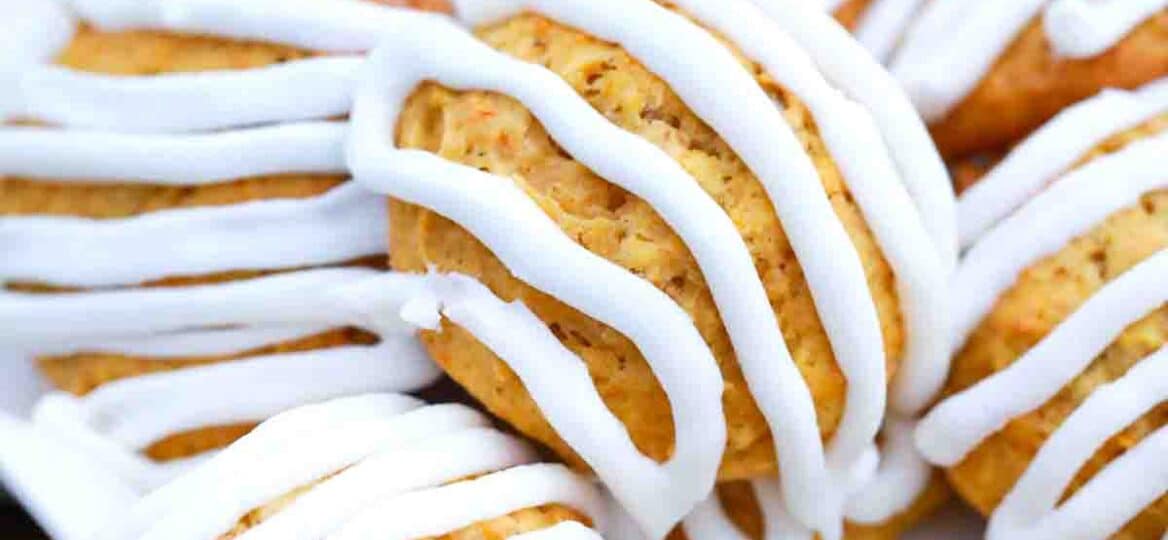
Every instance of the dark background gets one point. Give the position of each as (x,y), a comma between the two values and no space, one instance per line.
(16,525)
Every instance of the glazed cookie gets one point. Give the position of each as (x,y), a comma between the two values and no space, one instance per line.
(177,222)
(1055,426)
(782,219)
(986,74)
(378,465)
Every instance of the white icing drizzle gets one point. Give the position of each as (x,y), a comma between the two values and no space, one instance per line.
(709,520)
(386,472)
(1066,209)
(334,297)
(156,129)
(493,212)
(223,342)
(120,417)
(306,89)
(853,71)
(91,157)
(324,25)
(32,467)
(953,44)
(848,313)
(141,410)
(341,225)
(1117,493)
(872,178)
(1053,149)
(575,127)
(454,506)
(959,423)
(903,475)
(1086,28)
(883,23)
(62,417)
(832,5)
(567,530)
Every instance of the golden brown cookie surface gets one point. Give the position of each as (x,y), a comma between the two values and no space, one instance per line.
(1042,297)
(497,134)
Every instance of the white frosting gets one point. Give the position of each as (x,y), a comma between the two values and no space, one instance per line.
(1117,493)
(959,423)
(709,520)
(493,212)
(1052,149)
(312,88)
(1086,28)
(230,341)
(954,43)
(397,473)
(69,495)
(1069,207)
(431,182)
(193,129)
(883,23)
(92,157)
(341,225)
(852,70)
(322,25)
(316,297)
(568,530)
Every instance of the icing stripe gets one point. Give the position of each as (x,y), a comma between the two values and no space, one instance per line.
(953,44)
(494,212)
(315,453)
(962,421)
(34,31)
(881,25)
(848,66)
(951,47)
(341,225)
(277,434)
(1086,28)
(141,410)
(328,505)
(903,475)
(819,240)
(1117,493)
(322,25)
(190,344)
(95,157)
(567,530)
(335,297)
(559,383)
(709,520)
(62,416)
(299,90)
(1069,207)
(33,466)
(1052,149)
(459,505)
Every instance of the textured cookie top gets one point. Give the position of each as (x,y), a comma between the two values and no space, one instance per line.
(595,172)
(1058,393)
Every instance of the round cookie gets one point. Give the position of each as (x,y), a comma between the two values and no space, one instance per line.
(1069,318)
(516,189)
(379,462)
(986,77)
